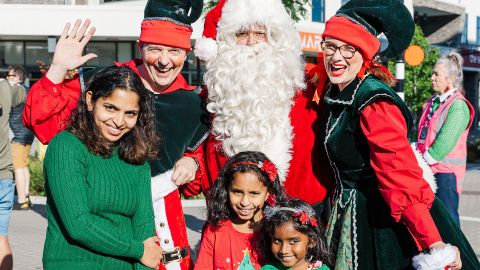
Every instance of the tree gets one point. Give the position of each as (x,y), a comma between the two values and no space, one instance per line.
(296,8)
(417,83)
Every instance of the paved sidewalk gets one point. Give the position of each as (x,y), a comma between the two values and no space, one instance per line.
(27,228)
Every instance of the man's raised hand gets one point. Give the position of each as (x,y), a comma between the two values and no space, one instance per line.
(69,49)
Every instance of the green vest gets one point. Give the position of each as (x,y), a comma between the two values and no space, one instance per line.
(182,124)
(346,146)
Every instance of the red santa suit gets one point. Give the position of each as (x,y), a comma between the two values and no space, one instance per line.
(305,179)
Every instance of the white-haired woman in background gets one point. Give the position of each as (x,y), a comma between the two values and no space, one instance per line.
(443,130)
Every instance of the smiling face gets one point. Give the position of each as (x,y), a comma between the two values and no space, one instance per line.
(247,196)
(116,114)
(290,246)
(340,70)
(441,81)
(162,65)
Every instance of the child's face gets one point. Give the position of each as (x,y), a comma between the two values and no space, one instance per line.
(247,196)
(290,246)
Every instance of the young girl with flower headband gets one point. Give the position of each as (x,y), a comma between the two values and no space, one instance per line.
(235,204)
(294,238)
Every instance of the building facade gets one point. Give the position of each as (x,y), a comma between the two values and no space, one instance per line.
(30,29)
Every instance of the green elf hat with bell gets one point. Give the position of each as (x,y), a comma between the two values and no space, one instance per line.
(359,22)
(168,22)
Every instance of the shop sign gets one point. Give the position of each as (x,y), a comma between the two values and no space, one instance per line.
(471,59)
(311,41)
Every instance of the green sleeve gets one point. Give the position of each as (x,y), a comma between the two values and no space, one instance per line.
(65,171)
(143,220)
(455,124)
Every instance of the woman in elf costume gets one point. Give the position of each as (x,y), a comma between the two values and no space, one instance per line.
(384,212)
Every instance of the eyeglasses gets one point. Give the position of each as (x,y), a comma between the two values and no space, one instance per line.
(12,75)
(257,35)
(347,51)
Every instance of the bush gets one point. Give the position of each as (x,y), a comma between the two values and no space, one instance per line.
(37,183)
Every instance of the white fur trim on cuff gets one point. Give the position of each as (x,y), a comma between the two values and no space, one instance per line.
(206,49)
(427,170)
(429,158)
(437,259)
(162,185)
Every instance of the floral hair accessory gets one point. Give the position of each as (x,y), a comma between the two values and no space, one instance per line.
(266,166)
(305,218)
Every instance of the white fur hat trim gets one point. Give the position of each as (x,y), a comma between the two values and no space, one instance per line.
(206,49)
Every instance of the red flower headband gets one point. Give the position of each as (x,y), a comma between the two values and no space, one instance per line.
(305,218)
(266,166)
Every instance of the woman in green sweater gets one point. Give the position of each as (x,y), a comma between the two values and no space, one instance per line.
(443,130)
(99,202)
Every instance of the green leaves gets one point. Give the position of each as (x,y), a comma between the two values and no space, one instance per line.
(417,83)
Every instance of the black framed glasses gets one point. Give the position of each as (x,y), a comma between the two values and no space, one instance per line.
(347,51)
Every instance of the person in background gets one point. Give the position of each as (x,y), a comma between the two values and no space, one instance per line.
(443,130)
(11,95)
(385,214)
(180,118)
(97,179)
(21,142)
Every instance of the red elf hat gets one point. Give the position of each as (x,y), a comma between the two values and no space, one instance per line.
(168,23)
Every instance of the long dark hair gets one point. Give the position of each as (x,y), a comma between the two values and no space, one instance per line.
(135,147)
(285,212)
(218,206)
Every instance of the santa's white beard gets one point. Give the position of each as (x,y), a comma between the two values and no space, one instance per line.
(250,93)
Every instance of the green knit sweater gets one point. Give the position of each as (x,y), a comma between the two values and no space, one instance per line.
(99,209)
(455,124)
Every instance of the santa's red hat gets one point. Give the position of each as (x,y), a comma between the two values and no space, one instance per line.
(168,23)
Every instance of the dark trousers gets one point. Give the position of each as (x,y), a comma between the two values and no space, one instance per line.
(447,193)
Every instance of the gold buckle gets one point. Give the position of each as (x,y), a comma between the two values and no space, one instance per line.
(173,255)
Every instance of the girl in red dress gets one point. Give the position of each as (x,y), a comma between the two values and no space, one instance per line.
(235,205)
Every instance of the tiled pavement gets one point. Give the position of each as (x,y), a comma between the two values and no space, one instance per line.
(27,228)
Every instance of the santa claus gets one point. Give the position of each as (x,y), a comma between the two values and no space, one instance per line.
(258,96)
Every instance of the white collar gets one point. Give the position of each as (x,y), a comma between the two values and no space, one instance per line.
(445,95)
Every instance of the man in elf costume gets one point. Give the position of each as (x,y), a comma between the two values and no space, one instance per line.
(164,43)
(256,93)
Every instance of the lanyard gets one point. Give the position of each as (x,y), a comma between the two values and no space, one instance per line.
(431,111)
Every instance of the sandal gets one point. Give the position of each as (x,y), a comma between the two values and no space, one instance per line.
(22,206)
(27,200)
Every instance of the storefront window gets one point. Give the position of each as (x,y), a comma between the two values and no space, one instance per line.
(124,51)
(11,53)
(191,70)
(105,51)
(37,51)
